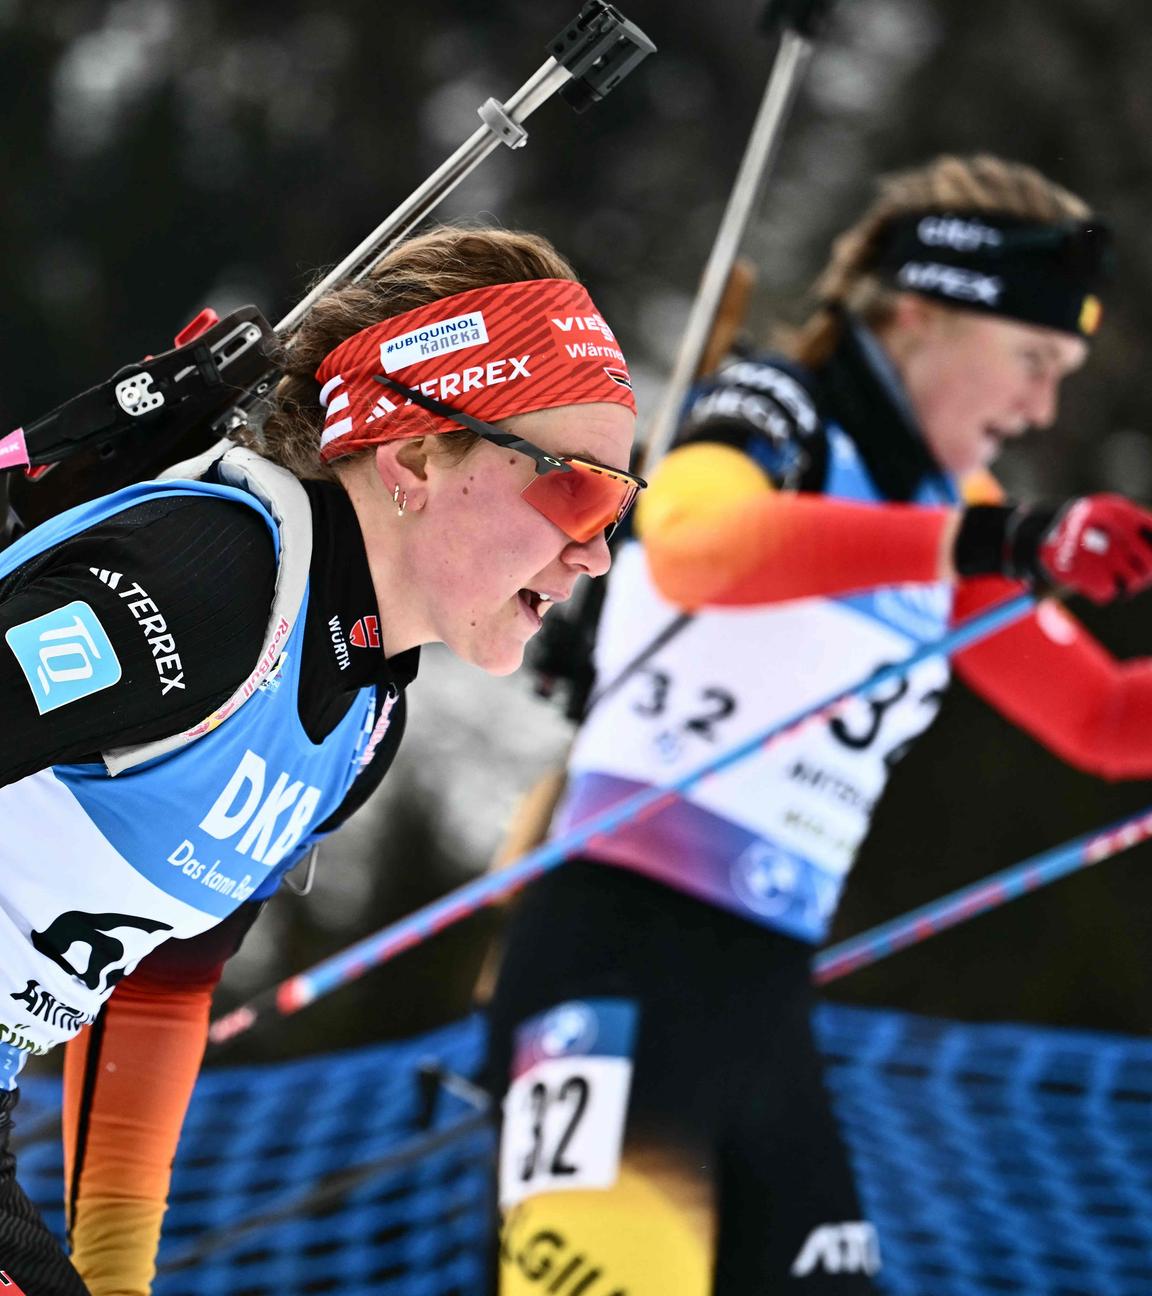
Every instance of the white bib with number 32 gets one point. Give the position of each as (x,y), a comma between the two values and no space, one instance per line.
(566,1108)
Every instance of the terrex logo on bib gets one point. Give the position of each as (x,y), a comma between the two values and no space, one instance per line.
(432,340)
(163,645)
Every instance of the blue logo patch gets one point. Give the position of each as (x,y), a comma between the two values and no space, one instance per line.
(65,655)
(578,1028)
(11,1060)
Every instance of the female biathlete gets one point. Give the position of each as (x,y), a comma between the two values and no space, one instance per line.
(202,675)
(666,1132)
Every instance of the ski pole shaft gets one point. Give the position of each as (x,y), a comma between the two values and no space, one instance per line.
(990,893)
(797,30)
(298,991)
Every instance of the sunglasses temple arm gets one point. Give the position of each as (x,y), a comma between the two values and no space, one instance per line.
(544,463)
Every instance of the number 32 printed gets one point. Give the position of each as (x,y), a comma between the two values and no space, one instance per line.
(564,1126)
(710,707)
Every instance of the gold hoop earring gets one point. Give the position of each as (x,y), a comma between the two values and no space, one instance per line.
(400,499)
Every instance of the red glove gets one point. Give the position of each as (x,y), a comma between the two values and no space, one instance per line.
(1101,546)
(1098,545)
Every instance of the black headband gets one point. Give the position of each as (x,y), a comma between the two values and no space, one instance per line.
(1041,273)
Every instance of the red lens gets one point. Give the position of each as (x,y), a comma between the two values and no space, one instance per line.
(583,501)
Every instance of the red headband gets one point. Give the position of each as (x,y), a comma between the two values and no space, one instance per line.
(490,352)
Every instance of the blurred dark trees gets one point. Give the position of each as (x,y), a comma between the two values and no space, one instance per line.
(157,157)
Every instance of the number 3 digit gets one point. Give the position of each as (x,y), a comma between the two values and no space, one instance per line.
(575,1090)
(654,705)
(539,1098)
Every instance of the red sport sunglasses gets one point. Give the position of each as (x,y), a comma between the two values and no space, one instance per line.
(578,495)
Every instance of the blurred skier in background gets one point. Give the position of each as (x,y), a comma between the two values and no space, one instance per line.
(825,511)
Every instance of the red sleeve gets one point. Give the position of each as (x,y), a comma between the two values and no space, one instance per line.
(1051,678)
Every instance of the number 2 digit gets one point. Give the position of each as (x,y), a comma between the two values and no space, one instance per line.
(575,1090)
(577,1086)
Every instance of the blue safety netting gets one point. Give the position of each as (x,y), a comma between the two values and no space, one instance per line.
(262,1144)
(994,1159)
(998,1159)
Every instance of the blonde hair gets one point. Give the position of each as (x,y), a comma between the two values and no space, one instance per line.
(981,183)
(440,263)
